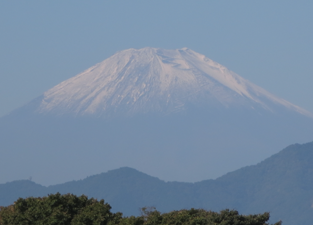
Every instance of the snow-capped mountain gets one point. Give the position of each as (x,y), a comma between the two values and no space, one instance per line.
(155,80)
(174,114)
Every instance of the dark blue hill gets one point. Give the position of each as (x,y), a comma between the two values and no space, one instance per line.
(281,185)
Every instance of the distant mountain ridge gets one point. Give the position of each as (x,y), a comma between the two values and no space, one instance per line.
(281,185)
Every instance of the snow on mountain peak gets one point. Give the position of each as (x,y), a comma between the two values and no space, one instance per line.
(154,80)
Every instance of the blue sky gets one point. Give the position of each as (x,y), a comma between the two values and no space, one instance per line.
(43,43)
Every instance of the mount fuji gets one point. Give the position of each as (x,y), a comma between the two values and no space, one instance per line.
(174,114)
(155,80)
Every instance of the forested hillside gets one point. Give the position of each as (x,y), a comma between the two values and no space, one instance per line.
(281,185)
(73,210)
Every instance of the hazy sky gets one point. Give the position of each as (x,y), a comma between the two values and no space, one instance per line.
(43,43)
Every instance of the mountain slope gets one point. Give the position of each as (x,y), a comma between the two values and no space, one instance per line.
(155,80)
(281,185)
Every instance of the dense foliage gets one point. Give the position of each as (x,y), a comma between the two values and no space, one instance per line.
(57,209)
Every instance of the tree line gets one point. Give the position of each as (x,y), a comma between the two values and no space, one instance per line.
(69,209)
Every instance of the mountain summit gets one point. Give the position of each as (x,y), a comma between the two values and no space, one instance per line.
(155,80)
(174,114)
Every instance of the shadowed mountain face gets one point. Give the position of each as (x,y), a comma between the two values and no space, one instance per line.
(281,185)
(174,114)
